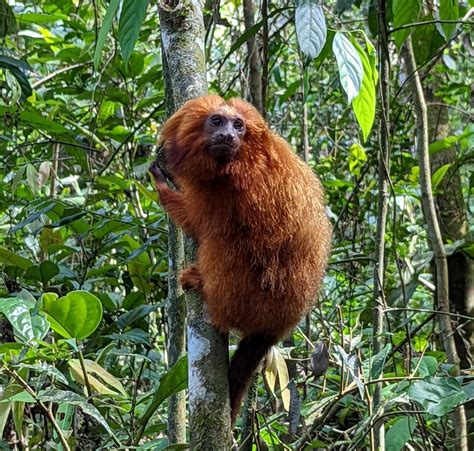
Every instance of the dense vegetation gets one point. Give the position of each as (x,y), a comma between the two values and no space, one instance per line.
(83,245)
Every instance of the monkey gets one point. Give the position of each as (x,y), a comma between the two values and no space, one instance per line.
(258,215)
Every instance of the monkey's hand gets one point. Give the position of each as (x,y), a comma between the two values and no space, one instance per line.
(157,174)
(172,201)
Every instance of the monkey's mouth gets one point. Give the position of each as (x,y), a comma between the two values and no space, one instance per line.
(223,152)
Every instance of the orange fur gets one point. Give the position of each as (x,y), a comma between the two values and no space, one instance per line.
(259,221)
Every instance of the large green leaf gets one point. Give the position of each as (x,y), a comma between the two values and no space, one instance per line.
(75,315)
(310,28)
(399,433)
(37,121)
(349,64)
(43,272)
(404,12)
(437,395)
(448,10)
(364,103)
(9,258)
(104,31)
(131,18)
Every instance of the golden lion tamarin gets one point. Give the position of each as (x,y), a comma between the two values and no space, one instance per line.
(257,213)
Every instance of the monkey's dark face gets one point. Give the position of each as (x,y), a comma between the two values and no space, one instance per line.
(224,132)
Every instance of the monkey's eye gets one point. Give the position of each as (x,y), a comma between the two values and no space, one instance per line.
(217,121)
(238,124)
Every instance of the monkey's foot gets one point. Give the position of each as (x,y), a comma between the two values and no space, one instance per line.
(191,279)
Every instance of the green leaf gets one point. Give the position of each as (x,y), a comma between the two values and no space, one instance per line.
(37,121)
(69,397)
(404,12)
(378,362)
(399,433)
(449,141)
(438,176)
(43,272)
(18,314)
(437,395)
(9,258)
(131,18)
(448,10)
(311,28)
(363,104)
(426,365)
(175,380)
(76,315)
(104,31)
(349,64)
(44,368)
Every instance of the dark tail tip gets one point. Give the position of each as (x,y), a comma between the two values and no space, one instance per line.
(243,365)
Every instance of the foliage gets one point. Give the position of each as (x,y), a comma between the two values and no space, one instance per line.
(83,251)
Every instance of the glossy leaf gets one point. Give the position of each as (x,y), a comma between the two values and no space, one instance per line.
(17,311)
(310,28)
(364,103)
(75,315)
(350,66)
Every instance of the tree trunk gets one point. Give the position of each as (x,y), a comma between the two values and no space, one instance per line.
(255,66)
(182,40)
(378,437)
(434,234)
(452,216)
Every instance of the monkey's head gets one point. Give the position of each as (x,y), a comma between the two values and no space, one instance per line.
(209,138)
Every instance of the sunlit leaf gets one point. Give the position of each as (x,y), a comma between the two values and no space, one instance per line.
(349,64)
(75,315)
(310,28)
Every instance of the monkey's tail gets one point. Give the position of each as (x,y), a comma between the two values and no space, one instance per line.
(243,365)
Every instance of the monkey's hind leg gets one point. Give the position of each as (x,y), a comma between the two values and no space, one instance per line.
(191,279)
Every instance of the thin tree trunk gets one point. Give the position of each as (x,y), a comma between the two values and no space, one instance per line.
(378,435)
(255,66)
(434,234)
(182,37)
(452,216)
(255,97)
(177,331)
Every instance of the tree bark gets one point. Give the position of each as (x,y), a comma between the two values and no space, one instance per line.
(378,436)
(452,216)
(434,234)
(255,66)
(182,39)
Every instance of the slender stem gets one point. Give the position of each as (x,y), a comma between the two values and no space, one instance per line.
(48,412)
(84,371)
